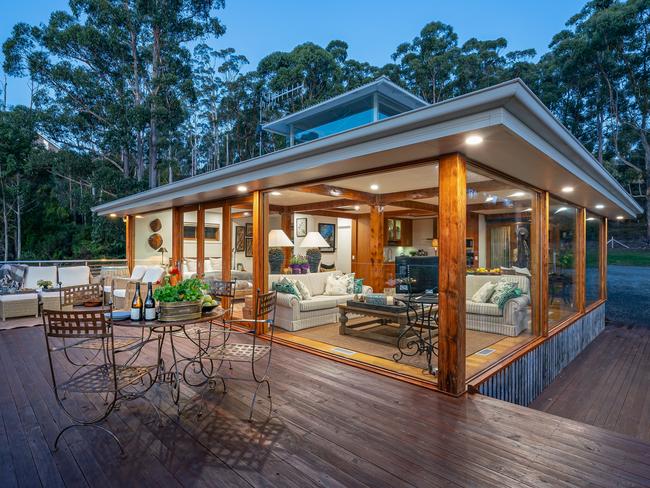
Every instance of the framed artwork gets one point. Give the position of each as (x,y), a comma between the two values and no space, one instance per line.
(249,247)
(301,227)
(249,230)
(328,231)
(240,235)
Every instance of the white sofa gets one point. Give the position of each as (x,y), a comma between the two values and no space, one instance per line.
(292,313)
(515,316)
(122,289)
(67,276)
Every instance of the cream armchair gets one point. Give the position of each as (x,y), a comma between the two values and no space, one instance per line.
(123,289)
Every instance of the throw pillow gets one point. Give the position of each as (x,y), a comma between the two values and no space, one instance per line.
(336,285)
(191,265)
(521,271)
(358,285)
(286,285)
(303,290)
(484,293)
(350,283)
(503,287)
(510,294)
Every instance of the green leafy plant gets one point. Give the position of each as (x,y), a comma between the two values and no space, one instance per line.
(45,284)
(297,259)
(185,291)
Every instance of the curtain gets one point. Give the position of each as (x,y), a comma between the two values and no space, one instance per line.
(500,246)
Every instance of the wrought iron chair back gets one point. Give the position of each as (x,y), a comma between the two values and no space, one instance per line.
(224,289)
(82,324)
(79,294)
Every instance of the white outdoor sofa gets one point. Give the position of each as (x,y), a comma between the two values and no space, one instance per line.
(122,289)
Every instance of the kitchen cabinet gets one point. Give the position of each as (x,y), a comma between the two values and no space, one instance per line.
(398,232)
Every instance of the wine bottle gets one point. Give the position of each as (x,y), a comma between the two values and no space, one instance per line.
(149,304)
(136,304)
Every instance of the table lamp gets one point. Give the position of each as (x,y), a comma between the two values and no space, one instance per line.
(277,240)
(312,241)
(162,252)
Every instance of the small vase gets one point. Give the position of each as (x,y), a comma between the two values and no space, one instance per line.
(304,268)
(295,268)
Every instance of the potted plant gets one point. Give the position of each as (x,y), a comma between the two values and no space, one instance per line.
(44,284)
(295,264)
(182,301)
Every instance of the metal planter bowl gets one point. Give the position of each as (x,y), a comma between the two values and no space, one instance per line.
(177,311)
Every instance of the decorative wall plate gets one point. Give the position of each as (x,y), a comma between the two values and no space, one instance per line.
(155,225)
(155,241)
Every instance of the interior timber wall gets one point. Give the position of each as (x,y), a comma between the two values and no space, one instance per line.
(524,379)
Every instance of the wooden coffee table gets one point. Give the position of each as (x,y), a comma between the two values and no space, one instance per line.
(382,325)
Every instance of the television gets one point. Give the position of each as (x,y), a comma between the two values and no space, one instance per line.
(416,274)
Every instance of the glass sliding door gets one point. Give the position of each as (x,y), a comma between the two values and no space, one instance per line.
(593,259)
(562,248)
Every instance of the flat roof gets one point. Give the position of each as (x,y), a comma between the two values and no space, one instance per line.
(381,85)
(521,138)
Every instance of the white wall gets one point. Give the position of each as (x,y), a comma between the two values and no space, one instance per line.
(342,258)
(143,253)
(482,243)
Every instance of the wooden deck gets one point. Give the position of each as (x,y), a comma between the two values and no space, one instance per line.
(332,425)
(607,385)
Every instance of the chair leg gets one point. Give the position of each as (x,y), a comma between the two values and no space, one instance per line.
(119,444)
(268,387)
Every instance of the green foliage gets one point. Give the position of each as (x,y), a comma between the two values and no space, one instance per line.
(185,291)
(298,259)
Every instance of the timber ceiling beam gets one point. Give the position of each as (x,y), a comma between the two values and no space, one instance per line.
(415,205)
(327,204)
(337,191)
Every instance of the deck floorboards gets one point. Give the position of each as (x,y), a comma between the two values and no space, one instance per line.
(607,385)
(332,425)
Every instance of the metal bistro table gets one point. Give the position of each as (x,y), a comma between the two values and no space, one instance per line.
(167,332)
(421,332)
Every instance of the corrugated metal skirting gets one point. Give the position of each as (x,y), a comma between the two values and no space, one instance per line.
(527,377)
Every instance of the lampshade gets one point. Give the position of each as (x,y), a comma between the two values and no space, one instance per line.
(277,238)
(314,239)
(434,242)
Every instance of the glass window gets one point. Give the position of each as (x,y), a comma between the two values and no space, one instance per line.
(339,119)
(592,276)
(498,283)
(561,261)
(212,239)
(189,267)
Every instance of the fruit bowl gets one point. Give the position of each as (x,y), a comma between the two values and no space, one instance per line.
(208,307)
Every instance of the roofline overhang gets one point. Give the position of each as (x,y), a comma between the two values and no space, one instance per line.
(529,119)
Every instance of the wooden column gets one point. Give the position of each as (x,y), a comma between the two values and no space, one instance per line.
(452,270)
(603,259)
(580,259)
(260,242)
(226,247)
(200,241)
(376,246)
(286,219)
(177,237)
(539,258)
(130,242)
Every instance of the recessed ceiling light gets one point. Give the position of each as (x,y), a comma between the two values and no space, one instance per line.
(112,215)
(139,217)
(620,217)
(491,199)
(374,187)
(567,189)
(357,208)
(600,206)
(335,192)
(246,214)
(276,193)
(589,219)
(473,140)
(528,210)
(561,209)
(242,188)
(518,194)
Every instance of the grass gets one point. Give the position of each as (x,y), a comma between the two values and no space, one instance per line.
(628,257)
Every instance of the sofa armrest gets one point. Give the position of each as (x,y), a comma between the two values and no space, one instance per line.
(287,300)
(513,307)
(119,283)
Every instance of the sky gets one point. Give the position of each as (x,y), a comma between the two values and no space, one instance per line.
(372,28)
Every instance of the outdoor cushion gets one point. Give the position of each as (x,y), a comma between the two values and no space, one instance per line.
(36,273)
(74,275)
(18,297)
(153,274)
(120,293)
(483,308)
(138,272)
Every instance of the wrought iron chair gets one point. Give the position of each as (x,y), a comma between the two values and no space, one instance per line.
(99,375)
(70,296)
(234,350)
(421,332)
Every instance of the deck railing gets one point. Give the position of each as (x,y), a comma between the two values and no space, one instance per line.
(95,265)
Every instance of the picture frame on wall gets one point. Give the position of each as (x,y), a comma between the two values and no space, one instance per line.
(328,231)
(240,236)
(301,227)
(249,247)
(249,229)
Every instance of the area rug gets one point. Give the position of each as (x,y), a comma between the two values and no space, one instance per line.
(329,334)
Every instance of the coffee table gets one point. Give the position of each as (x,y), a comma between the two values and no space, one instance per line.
(382,325)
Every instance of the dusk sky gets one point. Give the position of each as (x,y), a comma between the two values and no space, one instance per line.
(371,28)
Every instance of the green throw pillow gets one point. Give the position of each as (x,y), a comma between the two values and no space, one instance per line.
(508,295)
(503,287)
(286,285)
(358,285)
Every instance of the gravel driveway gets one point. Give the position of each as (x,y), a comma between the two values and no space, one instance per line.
(628,295)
